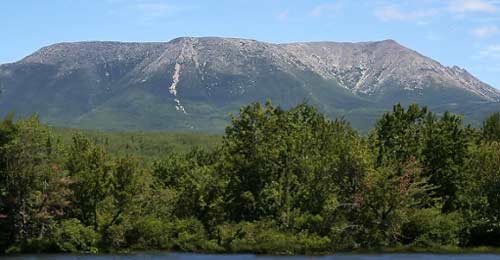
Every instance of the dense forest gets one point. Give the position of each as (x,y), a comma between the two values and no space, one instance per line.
(278,181)
(146,146)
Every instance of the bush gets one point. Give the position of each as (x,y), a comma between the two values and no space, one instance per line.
(261,237)
(186,235)
(431,228)
(149,233)
(72,236)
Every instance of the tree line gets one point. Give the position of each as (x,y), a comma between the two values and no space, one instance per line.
(280,181)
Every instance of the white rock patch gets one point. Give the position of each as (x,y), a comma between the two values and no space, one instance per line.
(173,88)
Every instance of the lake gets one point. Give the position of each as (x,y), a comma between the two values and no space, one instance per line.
(180,256)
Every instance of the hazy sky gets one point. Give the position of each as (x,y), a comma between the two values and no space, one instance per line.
(454,32)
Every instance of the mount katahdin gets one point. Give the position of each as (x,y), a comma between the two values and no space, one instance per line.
(195,83)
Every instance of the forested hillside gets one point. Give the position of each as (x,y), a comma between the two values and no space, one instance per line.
(278,181)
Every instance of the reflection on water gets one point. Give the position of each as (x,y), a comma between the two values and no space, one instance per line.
(174,256)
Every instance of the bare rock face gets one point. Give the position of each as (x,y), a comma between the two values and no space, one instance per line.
(367,68)
(194,83)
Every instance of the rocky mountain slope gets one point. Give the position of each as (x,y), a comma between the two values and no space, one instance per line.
(368,68)
(195,83)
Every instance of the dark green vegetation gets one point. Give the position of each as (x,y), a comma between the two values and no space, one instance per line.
(147,146)
(280,181)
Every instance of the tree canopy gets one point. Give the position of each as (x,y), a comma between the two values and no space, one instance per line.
(279,181)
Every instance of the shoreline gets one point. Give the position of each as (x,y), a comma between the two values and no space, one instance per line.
(360,252)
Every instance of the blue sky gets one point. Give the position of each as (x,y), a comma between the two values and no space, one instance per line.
(455,32)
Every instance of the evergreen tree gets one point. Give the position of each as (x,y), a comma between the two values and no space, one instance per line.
(491,128)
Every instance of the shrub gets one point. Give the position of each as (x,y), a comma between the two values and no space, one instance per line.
(430,228)
(72,236)
(188,235)
(149,233)
(261,237)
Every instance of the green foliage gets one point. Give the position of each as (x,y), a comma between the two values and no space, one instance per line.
(263,237)
(91,174)
(387,198)
(283,163)
(280,181)
(70,235)
(491,128)
(176,234)
(398,136)
(440,145)
(483,210)
(188,235)
(428,228)
(149,233)
(198,187)
(148,146)
(445,149)
(32,185)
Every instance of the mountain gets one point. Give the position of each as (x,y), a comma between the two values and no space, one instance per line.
(195,83)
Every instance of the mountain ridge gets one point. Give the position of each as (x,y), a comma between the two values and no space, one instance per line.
(195,82)
(289,47)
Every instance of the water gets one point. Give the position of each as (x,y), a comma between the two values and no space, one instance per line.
(175,256)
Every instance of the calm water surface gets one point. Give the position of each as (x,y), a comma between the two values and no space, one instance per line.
(172,256)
